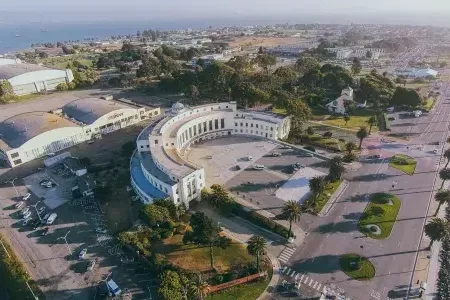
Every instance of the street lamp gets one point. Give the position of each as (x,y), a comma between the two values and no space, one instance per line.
(361,256)
(12,182)
(35,208)
(65,240)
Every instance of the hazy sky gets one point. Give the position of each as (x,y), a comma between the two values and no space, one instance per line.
(198,9)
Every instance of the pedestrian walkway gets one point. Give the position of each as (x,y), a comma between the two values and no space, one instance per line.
(286,254)
(302,279)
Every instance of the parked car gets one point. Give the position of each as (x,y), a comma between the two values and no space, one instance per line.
(258,167)
(435,151)
(90,141)
(26,197)
(113,288)
(44,219)
(276,154)
(309,148)
(238,167)
(82,253)
(249,157)
(45,231)
(19,204)
(51,219)
(26,215)
(209,157)
(391,119)
(25,221)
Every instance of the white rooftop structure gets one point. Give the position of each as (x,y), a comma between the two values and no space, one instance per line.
(159,168)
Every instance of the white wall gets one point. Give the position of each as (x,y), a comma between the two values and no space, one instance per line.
(37,76)
(47,142)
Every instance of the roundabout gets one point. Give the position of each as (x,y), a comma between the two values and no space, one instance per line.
(357,267)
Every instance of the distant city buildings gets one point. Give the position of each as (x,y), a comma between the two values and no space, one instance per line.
(347,53)
(286,50)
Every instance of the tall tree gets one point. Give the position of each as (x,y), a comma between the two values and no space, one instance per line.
(444,174)
(240,63)
(356,66)
(361,134)
(291,210)
(317,186)
(170,286)
(437,229)
(299,111)
(265,61)
(442,196)
(406,97)
(256,246)
(205,232)
(149,67)
(371,121)
(346,119)
(350,146)
(337,169)
(305,64)
(447,156)
(193,93)
(198,288)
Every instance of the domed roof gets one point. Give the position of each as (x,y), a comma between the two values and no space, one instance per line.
(178,105)
(178,108)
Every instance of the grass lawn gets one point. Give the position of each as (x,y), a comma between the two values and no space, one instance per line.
(325,196)
(382,211)
(356,267)
(355,122)
(250,291)
(280,111)
(61,62)
(429,104)
(403,163)
(196,258)
(328,143)
(417,85)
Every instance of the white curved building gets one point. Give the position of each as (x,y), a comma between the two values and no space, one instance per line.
(28,78)
(32,135)
(158,167)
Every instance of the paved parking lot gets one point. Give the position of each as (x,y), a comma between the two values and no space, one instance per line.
(268,188)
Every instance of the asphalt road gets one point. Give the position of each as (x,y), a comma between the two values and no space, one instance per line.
(336,234)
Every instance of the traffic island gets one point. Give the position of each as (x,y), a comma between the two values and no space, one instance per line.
(403,163)
(357,267)
(379,216)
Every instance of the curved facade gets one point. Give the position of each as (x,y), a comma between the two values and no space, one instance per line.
(161,147)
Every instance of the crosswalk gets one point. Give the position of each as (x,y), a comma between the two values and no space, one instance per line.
(301,278)
(286,254)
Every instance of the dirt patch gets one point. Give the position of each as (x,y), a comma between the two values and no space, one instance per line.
(251,41)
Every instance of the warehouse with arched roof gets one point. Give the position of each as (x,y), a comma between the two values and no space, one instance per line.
(31,135)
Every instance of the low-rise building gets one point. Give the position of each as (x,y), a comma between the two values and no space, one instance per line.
(339,106)
(416,73)
(159,168)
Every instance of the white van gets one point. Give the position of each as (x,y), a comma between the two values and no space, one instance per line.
(51,219)
(113,288)
(258,167)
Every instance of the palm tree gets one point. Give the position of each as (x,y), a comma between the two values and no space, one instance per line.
(336,169)
(256,246)
(447,156)
(350,146)
(361,134)
(317,186)
(292,211)
(444,174)
(437,229)
(198,288)
(442,196)
(346,119)
(371,121)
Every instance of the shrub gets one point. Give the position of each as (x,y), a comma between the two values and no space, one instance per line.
(327,134)
(310,130)
(181,229)
(373,228)
(62,87)
(230,276)
(309,148)
(349,157)
(166,234)
(71,85)
(154,215)
(218,279)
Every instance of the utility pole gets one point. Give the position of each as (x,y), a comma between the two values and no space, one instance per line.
(35,208)
(12,182)
(65,240)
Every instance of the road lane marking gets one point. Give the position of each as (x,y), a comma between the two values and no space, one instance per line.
(310,283)
(319,286)
(301,278)
(292,275)
(315,284)
(284,269)
(296,276)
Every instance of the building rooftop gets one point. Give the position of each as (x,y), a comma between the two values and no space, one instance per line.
(19,129)
(150,166)
(139,178)
(175,165)
(88,110)
(12,70)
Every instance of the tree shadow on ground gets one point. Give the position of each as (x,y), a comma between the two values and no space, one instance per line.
(320,264)
(353,216)
(344,226)
(371,177)
(253,187)
(320,164)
